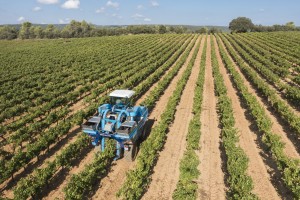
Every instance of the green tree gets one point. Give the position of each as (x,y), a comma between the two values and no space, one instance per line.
(8,33)
(32,33)
(51,31)
(202,30)
(290,26)
(162,29)
(241,25)
(214,30)
(25,30)
(86,29)
(38,32)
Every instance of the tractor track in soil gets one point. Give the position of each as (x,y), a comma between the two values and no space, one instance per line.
(113,181)
(115,172)
(166,171)
(211,181)
(258,171)
(268,169)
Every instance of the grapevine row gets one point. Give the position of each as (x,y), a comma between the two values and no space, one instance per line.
(290,92)
(278,104)
(240,184)
(290,168)
(186,188)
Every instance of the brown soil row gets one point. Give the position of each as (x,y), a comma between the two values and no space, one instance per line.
(211,181)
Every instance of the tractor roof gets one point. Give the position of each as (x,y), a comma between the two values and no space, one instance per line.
(122,93)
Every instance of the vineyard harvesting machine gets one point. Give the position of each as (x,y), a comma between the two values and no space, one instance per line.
(120,121)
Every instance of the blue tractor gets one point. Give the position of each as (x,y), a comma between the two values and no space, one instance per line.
(120,121)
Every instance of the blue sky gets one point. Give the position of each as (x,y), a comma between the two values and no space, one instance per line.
(126,12)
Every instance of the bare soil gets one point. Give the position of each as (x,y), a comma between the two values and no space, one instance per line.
(211,181)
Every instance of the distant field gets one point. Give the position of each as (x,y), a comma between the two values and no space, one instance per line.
(224,120)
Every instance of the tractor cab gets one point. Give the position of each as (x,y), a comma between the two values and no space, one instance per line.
(120,99)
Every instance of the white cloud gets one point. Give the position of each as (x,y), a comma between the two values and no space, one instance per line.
(20,19)
(262,10)
(48,1)
(137,16)
(64,21)
(100,10)
(113,4)
(140,7)
(36,8)
(154,3)
(71,4)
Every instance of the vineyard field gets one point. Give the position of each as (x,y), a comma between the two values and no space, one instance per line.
(224,116)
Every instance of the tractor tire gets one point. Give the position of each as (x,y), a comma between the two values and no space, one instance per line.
(143,135)
(131,154)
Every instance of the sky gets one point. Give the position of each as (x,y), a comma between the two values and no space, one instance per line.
(169,12)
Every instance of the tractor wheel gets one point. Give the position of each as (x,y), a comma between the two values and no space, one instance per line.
(143,135)
(130,155)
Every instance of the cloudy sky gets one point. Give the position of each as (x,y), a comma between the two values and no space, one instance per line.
(125,12)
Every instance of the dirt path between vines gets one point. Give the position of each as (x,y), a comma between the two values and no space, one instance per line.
(258,171)
(114,180)
(166,171)
(211,181)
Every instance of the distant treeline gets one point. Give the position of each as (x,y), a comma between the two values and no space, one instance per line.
(83,29)
(244,24)
(287,27)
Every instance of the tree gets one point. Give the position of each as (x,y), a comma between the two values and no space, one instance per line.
(241,25)
(38,32)
(202,30)
(25,30)
(32,33)
(290,26)
(180,29)
(86,29)
(162,29)
(50,31)
(8,33)
(214,30)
